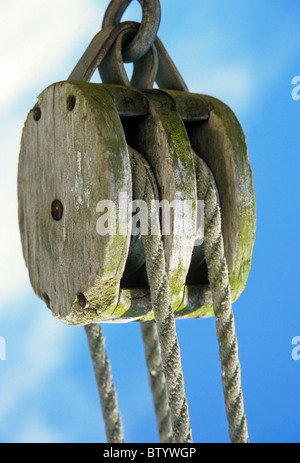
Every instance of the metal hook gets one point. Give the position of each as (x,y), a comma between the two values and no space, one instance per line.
(167,75)
(141,43)
(112,68)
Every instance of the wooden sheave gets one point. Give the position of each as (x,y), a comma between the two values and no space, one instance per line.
(74,154)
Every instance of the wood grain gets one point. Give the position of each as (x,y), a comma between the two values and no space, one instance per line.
(78,157)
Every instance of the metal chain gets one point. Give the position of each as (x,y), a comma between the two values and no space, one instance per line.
(155,66)
(143,40)
(112,69)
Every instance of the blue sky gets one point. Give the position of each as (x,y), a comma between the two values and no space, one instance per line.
(245,53)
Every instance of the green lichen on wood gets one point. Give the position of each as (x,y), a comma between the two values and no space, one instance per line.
(225,127)
(98,101)
(196,303)
(176,279)
(239,273)
(178,142)
(102,104)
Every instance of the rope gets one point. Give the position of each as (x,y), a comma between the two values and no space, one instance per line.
(221,296)
(149,333)
(163,313)
(157,380)
(108,398)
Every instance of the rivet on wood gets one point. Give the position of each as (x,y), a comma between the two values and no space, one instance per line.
(57,210)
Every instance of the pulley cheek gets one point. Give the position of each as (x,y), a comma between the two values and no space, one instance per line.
(74,155)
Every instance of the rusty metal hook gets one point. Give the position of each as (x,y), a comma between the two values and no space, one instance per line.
(142,41)
(167,75)
(156,65)
(112,69)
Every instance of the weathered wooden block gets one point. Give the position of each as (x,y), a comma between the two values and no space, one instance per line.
(74,154)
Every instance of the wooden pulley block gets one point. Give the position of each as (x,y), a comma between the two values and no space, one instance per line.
(75,154)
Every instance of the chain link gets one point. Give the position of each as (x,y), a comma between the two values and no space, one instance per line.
(144,38)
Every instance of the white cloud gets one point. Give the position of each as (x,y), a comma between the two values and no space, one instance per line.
(242,74)
(234,84)
(36,36)
(42,350)
(13,273)
(36,431)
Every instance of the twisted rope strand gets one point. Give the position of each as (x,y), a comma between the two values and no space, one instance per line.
(157,380)
(163,313)
(221,296)
(108,397)
(164,317)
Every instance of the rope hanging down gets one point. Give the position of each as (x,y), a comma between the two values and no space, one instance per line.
(108,397)
(221,295)
(157,380)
